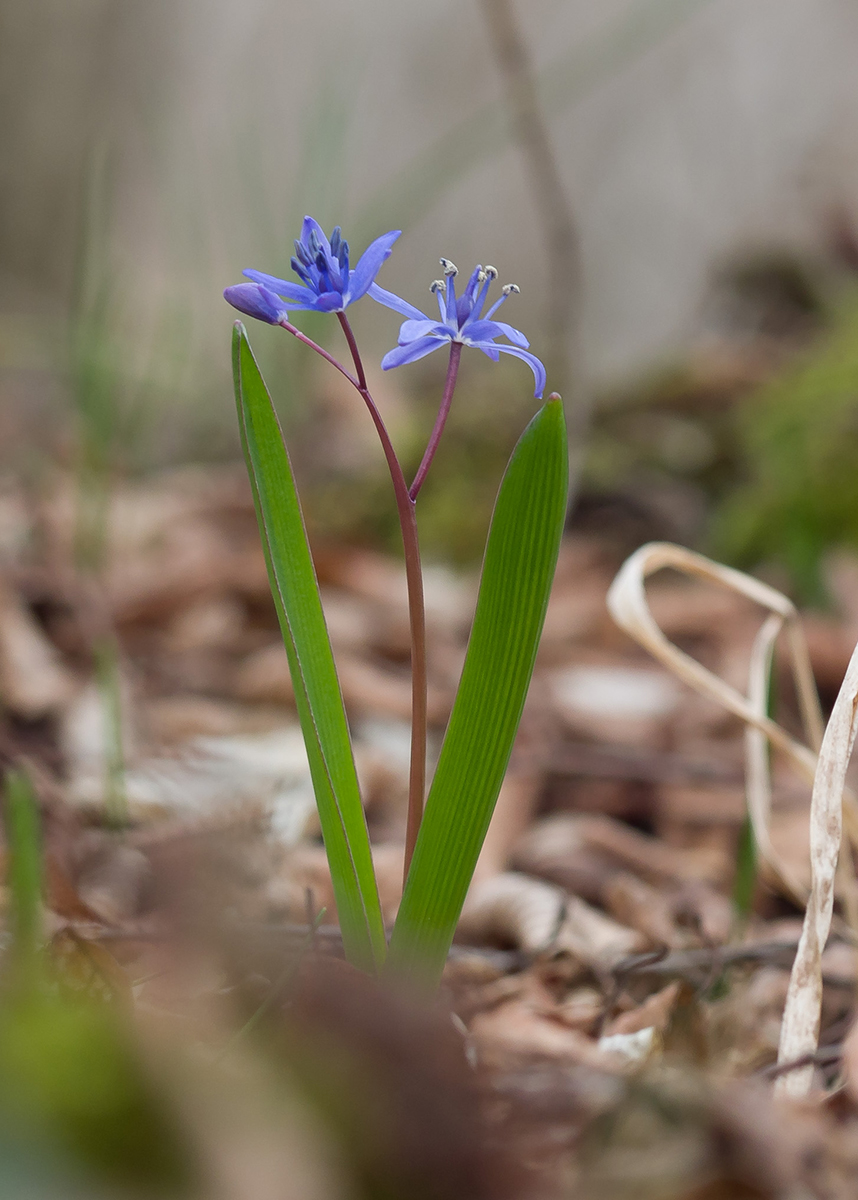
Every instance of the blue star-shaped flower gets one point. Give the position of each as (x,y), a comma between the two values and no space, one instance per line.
(461,321)
(327,282)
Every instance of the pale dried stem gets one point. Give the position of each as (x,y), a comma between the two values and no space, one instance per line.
(628,605)
(800,1026)
(758,789)
(832,804)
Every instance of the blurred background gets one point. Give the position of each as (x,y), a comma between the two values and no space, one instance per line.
(671,182)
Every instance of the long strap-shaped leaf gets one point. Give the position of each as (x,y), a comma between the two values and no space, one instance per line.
(311,661)
(521,555)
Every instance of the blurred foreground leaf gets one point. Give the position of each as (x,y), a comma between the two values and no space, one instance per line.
(23,878)
(521,555)
(73,1092)
(311,662)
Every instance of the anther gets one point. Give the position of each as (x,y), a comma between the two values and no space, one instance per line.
(491,272)
(450,268)
(510,287)
(437,285)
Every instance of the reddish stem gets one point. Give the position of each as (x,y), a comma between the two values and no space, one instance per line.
(416,611)
(440,420)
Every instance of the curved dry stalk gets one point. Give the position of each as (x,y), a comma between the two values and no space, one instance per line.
(628,606)
(800,1027)
(832,805)
(758,788)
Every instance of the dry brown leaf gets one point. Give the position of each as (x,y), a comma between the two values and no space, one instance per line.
(548,846)
(368,688)
(539,918)
(654,1013)
(515,1034)
(264,676)
(513,812)
(639,906)
(33,680)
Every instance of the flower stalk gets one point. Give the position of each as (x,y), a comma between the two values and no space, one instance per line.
(406,508)
(440,420)
(329,284)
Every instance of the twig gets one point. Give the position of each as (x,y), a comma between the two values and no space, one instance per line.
(560,232)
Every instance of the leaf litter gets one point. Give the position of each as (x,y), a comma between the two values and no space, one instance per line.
(608,1024)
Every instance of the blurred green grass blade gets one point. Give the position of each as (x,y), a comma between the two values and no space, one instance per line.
(24,869)
(521,555)
(311,661)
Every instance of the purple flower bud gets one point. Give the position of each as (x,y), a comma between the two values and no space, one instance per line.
(257,301)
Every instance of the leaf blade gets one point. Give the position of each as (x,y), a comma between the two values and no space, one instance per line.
(311,662)
(521,555)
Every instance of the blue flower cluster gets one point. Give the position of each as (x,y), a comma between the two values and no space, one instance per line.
(329,285)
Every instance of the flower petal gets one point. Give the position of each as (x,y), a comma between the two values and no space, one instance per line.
(411,330)
(452,315)
(311,226)
(291,291)
(256,301)
(472,285)
(369,264)
(396,303)
(481,331)
(329,302)
(534,364)
(489,349)
(410,353)
(514,335)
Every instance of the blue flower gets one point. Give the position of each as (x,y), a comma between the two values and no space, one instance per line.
(461,321)
(327,283)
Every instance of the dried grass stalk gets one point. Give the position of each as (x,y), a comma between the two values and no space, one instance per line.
(800,1027)
(758,785)
(628,606)
(831,804)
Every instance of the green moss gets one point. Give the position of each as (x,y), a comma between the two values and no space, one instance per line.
(798,442)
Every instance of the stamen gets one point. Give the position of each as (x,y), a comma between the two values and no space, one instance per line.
(510,287)
(491,272)
(450,268)
(302,272)
(437,285)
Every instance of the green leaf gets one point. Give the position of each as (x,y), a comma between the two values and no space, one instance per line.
(311,662)
(520,558)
